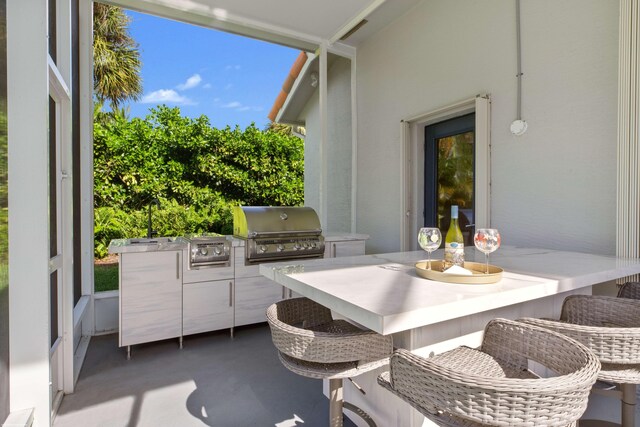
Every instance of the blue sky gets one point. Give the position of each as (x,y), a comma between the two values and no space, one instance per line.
(231,79)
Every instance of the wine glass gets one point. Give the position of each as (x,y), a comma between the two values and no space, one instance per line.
(429,239)
(487,240)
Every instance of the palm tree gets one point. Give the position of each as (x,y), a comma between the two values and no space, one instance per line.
(116,59)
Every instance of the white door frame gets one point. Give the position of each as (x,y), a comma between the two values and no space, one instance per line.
(63,261)
(412,165)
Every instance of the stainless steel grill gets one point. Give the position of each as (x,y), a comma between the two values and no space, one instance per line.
(278,233)
(208,250)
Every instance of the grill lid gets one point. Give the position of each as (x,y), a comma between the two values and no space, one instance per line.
(250,222)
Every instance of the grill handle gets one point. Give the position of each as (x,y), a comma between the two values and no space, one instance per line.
(299,233)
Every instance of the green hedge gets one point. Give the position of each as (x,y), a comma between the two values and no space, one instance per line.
(196,171)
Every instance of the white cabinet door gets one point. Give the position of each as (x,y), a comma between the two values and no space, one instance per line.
(207,306)
(344,248)
(253,296)
(150,296)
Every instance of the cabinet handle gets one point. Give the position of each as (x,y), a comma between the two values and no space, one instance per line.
(290,293)
(283,290)
(230,294)
(334,251)
(178,265)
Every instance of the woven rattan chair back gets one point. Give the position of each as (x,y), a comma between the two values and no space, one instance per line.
(630,290)
(610,328)
(493,386)
(312,344)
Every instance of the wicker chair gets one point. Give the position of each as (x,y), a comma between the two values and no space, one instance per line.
(610,327)
(310,343)
(630,290)
(492,386)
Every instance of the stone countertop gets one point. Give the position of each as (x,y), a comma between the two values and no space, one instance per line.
(331,236)
(119,246)
(383,292)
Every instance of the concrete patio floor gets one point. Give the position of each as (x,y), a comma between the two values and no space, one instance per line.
(213,381)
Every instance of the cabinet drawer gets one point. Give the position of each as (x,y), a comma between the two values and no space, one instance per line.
(207,306)
(344,248)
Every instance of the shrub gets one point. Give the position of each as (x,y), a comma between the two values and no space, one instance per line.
(196,171)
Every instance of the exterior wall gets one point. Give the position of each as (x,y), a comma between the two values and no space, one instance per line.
(338,149)
(552,187)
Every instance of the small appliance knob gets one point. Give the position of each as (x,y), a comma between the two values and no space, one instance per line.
(263,249)
(204,251)
(217,250)
(280,247)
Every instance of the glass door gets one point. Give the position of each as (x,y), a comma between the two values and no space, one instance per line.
(450,174)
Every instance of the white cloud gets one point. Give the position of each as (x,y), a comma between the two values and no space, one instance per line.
(166,95)
(232,67)
(191,82)
(207,86)
(238,106)
(234,104)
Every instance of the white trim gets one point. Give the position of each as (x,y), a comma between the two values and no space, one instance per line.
(355,20)
(58,88)
(412,172)
(63,39)
(212,17)
(343,50)
(80,310)
(85,37)
(483,162)
(23,418)
(405,186)
(324,131)
(354,146)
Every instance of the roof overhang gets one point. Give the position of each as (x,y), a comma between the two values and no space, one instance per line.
(302,24)
(302,90)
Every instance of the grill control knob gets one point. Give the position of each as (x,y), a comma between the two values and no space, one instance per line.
(280,247)
(217,250)
(313,245)
(263,249)
(296,247)
(204,251)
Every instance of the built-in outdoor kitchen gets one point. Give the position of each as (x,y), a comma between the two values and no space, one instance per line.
(176,286)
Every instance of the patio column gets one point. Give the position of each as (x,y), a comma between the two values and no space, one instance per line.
(28,117)
(628,180)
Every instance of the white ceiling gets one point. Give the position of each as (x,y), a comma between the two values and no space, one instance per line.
(298,23)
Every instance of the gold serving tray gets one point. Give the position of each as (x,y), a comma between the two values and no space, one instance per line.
(478,269)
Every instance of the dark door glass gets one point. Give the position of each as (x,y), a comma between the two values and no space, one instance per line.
(450,173)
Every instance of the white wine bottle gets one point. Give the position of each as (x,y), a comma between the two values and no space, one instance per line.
(454,242)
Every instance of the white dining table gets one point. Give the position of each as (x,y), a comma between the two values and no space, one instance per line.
(384,293)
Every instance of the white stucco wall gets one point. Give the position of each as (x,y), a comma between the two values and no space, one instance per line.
(552,187)
(338,149)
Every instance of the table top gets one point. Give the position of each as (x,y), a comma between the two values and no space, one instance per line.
(383,292)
